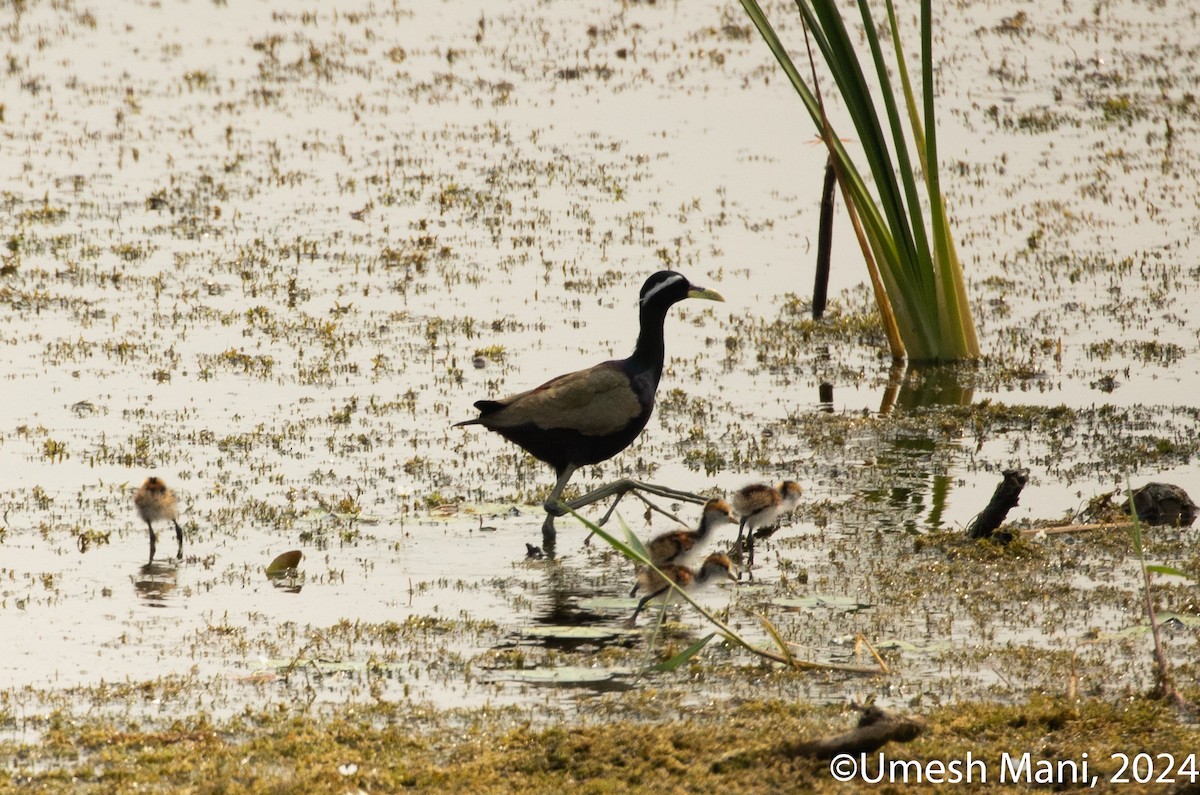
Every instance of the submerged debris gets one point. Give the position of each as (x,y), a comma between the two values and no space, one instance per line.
(876,728)
(1162,503)
(1003,500)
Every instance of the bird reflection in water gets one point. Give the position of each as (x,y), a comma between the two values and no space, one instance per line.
(155,583)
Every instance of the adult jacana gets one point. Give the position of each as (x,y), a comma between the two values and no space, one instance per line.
(589,416)
(715,565)
(759,505)
(675,543)
(157,503)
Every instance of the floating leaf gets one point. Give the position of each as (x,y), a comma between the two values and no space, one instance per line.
(609,603)
(1186,619)
(453,512)
(845,603)
(284,563)
(1164,619)
(564,632)
(895,644)
(566,675)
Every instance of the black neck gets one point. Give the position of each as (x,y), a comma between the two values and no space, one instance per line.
(650,349)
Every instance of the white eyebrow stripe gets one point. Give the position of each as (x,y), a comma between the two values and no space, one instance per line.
(674,277)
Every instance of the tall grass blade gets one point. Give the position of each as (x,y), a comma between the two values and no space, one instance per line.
(906,226)
(775,636)
(1168,570)
(685,655)
(1166,687)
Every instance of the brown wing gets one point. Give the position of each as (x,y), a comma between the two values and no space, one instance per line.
(754,498)
(669,546)
(650,581)
(594,402)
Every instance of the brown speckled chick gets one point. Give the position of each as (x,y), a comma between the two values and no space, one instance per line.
(157,503)
(759,505)
(715,565)
(669,546)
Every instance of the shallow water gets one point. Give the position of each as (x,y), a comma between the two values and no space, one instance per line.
(257,250)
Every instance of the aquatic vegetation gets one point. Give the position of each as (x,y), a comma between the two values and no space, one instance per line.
(914,269)
(283,318)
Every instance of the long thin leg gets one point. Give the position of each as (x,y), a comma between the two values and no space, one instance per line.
(603,519)
(554,507)
(179,538)
(654,507)
(554,504)
(608,514)
(738,548)
(625,485)
(622,487)
(153,540)
(634,491)
(646,599)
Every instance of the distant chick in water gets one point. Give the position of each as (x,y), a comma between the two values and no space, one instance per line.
(157,503)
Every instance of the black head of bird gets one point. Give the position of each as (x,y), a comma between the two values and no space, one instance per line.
(155,502)
(589,416)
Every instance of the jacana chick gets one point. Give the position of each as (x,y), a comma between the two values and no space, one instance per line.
(670,545)
(715,565)
(157,503)
(759,505)
(589,416)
